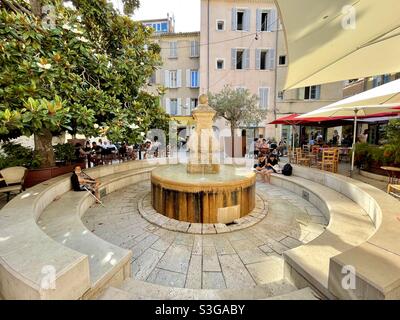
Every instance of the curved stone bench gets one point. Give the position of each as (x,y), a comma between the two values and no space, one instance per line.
(35,266)
(373,253)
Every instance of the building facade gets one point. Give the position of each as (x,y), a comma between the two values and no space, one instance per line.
(238,49)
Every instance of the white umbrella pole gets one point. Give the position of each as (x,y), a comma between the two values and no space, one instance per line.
(354,142)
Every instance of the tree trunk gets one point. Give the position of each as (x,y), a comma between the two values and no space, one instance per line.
(233,140)
(36,7)
(44,148)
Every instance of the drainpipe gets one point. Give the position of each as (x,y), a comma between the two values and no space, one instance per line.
(276,71)
(208,46)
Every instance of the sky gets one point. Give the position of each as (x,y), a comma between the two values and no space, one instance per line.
(186,12)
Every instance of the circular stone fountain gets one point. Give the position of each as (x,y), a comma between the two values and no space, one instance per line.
(203,191)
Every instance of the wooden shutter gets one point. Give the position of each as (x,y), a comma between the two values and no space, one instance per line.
(188,78)
(234,19)
(167,105)
(258,59)
(233,58)
(318,93)
(187,109)
(258,20)
(179,78)
(300,93)
(166,79)
(271,59)
(246,55)
(272,20)
(179,107)
(246,20)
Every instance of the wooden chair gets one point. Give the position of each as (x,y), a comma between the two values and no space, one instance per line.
(314,156)
(328,160)
(394,190)
(14,178)
(302,158)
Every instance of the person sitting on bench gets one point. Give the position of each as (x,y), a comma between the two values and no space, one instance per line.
(79,183)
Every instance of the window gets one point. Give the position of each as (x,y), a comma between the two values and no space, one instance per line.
(220,25)
(220,64)
(282,60)
(240,59)
(193,103)
(240,19)
(265,59)
(173,79)
(164,27)
(377,81)
(264,21)
(173,49)
(194,49)
(310,93)
(194,78)
(173,107)
(152,79)
(264,98)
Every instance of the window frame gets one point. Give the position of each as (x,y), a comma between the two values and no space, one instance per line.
(171,50)
(223,63)
(241,60)
(223,24)
(279,60)
(194,82)
(172,79)
(170,106)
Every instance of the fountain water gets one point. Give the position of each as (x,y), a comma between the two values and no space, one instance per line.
(204,191)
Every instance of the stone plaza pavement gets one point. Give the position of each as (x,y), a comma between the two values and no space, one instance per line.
(239,259)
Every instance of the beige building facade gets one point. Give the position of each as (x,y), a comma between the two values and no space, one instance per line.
(179,75)
(238,49)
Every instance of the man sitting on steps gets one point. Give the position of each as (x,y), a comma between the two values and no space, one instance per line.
(79,183)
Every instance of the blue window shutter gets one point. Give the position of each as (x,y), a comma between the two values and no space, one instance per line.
(233,58)
(258,20)
(198,79)
(246,19)
(246,54)
(234,19)
(318,93)
(271,59)
(258,59)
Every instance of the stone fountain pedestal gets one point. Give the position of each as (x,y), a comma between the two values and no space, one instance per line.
(203,191)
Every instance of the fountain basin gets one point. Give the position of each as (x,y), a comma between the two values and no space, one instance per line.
(203,198)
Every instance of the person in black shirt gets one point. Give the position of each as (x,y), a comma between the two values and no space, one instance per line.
(79,183)
(272,161)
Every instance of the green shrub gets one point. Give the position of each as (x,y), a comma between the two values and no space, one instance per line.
(15,155)
(65,152)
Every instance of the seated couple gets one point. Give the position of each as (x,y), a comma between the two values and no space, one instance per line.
(266,166)
(81,183)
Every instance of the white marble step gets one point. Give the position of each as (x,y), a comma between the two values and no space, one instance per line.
(139,290)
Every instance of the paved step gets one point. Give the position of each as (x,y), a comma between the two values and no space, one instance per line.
(302,294)
(132,289)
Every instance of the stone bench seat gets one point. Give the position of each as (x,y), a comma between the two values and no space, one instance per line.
(61,220)
(349,226)
(30,260)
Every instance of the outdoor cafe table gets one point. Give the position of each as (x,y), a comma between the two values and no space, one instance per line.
(392,173)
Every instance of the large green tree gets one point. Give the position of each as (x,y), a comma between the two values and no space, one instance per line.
(80,69)
(239,107)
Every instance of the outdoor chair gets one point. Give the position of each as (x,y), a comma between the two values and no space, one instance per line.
(328,161)
(14,178)
(394,190)
(302,158)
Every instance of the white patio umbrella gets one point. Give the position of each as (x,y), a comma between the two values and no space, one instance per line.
(336,40)
(353,111)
